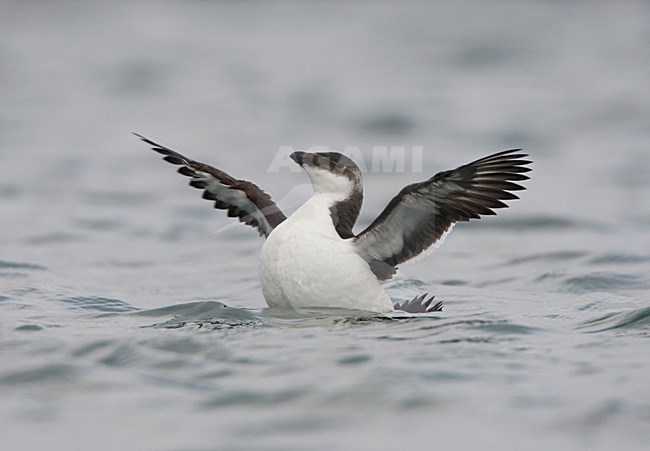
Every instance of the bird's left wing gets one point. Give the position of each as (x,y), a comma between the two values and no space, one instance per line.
(241,198)
(422,213)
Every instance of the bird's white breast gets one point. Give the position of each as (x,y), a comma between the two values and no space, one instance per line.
(305,263)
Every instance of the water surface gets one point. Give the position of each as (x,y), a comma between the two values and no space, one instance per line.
(131,312)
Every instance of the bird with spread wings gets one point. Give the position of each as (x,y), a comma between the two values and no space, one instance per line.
(420,215)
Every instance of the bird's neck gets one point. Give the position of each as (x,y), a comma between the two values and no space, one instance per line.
(339,213)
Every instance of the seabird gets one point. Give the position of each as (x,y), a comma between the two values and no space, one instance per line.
(314,259)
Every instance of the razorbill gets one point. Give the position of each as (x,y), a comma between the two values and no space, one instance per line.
(314,259)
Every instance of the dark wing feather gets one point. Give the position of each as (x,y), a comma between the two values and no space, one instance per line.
(423,212)
(242,199)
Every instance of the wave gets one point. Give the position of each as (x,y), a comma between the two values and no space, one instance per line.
(97,303)
(19,265)
(556,256)
(604,281)
(632,319)
(208,314)
(619,258)
(10,269)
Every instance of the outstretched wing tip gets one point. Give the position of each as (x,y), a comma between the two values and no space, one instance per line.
(142,138)
(240,198)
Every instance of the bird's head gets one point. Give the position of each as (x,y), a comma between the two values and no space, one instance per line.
(330,173)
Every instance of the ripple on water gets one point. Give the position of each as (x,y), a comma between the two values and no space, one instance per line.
(619,258)
(203,314)
(19,265)
(29,328)
(216,315)
(54,238)
(604,281)
(638,319)
(99,304)
(123,355)
(547,257)
(48,373)
(10,269)
(254,397)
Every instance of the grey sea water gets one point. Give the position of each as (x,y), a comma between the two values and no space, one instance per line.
(131,315)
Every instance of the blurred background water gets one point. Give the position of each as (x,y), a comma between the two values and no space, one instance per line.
(115,276)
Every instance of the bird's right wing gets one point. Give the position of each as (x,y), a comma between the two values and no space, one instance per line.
(242,199)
